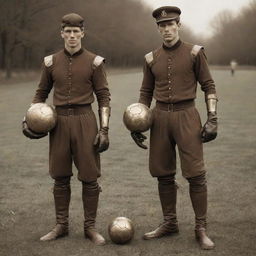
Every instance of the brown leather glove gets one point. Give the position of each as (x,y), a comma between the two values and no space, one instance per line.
(209,130)
(29,133)
(139,138)
(101,141)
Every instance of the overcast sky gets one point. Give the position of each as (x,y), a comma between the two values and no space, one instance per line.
(197,14)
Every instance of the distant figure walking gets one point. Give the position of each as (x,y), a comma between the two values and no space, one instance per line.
(233,65)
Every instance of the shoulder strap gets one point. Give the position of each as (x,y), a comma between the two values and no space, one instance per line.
(195,50)
(48,60)
(97,61)
(149,58)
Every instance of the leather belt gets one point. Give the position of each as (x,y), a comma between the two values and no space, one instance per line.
(175,106)
(68,110)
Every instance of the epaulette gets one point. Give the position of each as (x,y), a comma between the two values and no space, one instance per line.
(97,61)
(48,60)
(195,50)
(149,57)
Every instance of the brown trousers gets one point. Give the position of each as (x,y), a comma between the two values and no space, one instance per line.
(72,140)
(179,127)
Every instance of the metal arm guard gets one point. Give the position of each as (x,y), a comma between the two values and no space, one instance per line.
(211,103)
(104,114)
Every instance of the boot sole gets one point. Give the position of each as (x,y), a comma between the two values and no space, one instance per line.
(204,247)
(88,237)
(57,237)
(100,244)
(157,237)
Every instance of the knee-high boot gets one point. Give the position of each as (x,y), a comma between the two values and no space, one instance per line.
(90,195)
(61,192)
(168,196)
(198,195)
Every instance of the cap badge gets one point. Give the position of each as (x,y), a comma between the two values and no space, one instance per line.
(163,13)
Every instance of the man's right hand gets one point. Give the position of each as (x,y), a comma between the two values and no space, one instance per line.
(29,133)
(139,138)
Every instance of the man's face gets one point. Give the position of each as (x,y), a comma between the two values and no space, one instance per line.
(72,36)
(169,30)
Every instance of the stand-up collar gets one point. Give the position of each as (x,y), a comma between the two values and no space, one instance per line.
(75,54)
(178,43)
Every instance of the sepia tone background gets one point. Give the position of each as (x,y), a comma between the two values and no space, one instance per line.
(123,31)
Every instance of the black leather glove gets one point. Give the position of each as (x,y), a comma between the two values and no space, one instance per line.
(101,141)
(209,130)
(29,133)
(139,138)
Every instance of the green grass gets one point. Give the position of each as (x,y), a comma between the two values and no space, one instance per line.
(26,203)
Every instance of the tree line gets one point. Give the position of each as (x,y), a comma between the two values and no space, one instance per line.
(121,31)
(234,37)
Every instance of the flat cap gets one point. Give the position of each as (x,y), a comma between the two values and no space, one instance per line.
(72,20)
(165,13)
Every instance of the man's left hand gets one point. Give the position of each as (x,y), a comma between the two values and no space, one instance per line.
(101,141)
(209,130)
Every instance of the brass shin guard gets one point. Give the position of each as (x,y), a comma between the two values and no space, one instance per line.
(167,189)
(198,195)
(62,193)
(90,196)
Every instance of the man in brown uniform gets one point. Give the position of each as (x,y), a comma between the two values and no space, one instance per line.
(171,73)
(75,74)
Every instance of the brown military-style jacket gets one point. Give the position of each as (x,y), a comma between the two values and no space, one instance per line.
(74,78)
(171,74)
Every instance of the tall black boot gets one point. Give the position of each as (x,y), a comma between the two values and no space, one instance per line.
(198,195)
(90,197)
(168,196)
(61,192)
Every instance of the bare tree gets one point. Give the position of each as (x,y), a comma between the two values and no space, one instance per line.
(234,37)
(15,20)
(122,31)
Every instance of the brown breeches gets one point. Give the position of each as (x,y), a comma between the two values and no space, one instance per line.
(72,140)
(171,128)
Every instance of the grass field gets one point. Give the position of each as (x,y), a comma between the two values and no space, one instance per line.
(26,202)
